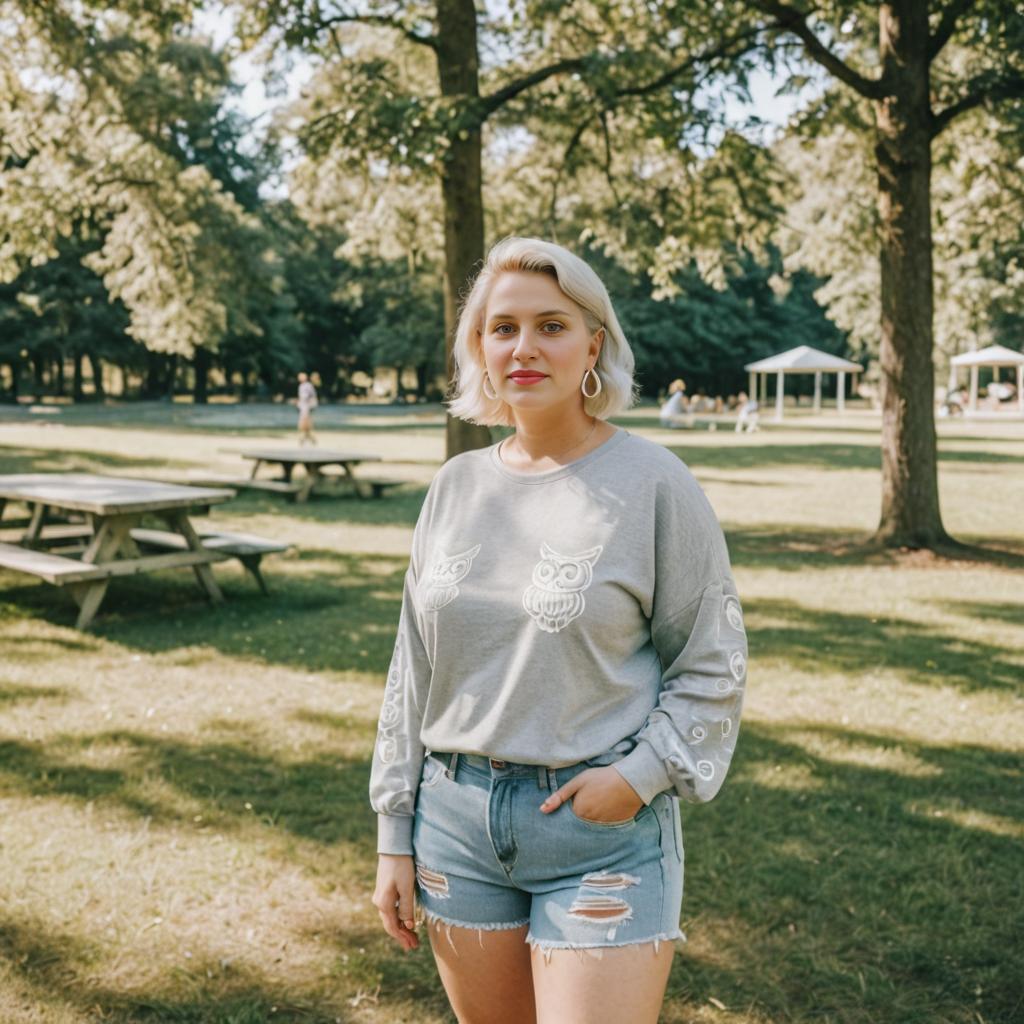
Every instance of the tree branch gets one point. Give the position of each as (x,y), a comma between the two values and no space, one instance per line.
(573,143)
(794,20)
(380,19)
(725,50)
(979,90)
(947,25)
(513,89)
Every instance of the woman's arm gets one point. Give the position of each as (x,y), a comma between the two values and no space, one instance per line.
(687,742)
(398,752)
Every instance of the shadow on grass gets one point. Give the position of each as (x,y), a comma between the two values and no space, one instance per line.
(240,788)
(848,891)
(203,990)
(987,610)
(12,693)
(856,894)
(793,549)
(829,456)
(325,612)
(52,460)
(812,640)
(400,507)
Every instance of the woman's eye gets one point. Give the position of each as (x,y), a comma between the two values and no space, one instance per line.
(504,329)
(552,328)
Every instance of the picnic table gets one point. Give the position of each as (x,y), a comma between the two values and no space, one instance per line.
(99,520)
(314,460)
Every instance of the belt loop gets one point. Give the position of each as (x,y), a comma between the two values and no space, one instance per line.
(541,776)
(453,764)
(552,780)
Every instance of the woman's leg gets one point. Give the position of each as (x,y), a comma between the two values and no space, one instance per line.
(611,985)
(486,974)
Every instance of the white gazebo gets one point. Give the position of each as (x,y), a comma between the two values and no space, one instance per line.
(802,359)
(994,356)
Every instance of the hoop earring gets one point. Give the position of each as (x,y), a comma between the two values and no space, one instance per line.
(583,383)
(491,394)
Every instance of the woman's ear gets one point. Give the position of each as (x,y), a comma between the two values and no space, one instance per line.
(596,342)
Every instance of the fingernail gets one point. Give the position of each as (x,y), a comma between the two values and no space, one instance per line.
(410,925)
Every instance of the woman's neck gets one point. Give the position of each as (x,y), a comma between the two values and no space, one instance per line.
(540,442)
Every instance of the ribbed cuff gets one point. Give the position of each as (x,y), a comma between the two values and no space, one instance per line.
(394,834)
(644,771)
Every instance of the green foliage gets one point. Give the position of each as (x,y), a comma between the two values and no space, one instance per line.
(707,334)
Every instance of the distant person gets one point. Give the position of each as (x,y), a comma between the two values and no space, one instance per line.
(747,415)
(307,402)
(952,404)
(673,412)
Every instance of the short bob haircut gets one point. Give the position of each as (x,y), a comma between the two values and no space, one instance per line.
(583,286)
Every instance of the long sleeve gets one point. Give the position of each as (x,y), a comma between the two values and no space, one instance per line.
(688,739)
(398,753)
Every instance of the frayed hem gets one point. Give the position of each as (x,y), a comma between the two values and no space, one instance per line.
(595,950)
(447,924)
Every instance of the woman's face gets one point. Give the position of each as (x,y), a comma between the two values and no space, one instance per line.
(535,343)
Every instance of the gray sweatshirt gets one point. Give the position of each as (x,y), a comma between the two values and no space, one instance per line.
(549,618)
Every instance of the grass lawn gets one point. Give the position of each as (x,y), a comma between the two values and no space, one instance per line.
(184,834)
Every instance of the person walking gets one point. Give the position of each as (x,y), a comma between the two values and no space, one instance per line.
(307,402)
(569,664)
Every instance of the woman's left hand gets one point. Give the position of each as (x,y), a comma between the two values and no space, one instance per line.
(598,794)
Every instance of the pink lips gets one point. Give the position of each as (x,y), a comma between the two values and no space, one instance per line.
(526,378)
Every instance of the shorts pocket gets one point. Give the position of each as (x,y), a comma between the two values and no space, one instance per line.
(611,826)
(432,773)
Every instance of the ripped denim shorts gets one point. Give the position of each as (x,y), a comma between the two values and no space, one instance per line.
(488,858)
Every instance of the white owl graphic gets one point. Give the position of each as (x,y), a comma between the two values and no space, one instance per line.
(555,597)
(439,587)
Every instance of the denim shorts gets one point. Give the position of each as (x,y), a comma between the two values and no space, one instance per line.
(488,858)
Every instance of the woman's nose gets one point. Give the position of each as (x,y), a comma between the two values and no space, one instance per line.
(526,346)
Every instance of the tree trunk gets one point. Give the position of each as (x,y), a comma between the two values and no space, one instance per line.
(910,497)
(201,368)
(77,391)
(461,188)
(96,364)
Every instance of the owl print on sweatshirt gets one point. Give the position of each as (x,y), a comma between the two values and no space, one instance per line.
(440,587)
(555,597)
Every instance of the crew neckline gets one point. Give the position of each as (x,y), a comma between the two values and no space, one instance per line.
(524,476)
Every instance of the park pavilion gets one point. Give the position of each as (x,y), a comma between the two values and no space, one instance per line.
(802,359)
(994,356)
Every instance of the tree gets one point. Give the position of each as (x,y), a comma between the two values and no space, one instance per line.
(97,111)
(605,61)
(914,95)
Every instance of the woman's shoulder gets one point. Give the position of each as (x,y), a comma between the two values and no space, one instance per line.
(460,471)
(653,461)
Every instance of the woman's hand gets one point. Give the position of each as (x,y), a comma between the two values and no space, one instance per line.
(598,794)
(395,899)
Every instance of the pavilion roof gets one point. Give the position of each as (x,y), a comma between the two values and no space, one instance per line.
(803,359)
(994,355)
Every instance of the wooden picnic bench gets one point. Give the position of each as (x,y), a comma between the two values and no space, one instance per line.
(110,540)
(314,461)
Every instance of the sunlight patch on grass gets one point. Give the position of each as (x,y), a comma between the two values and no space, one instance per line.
(996,824)
(880,756)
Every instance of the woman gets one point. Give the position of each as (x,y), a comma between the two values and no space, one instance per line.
(570,659)
(673,412)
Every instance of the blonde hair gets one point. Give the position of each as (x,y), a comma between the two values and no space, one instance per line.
(579,282)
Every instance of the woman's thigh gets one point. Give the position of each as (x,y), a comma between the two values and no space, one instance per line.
(486,974)
(610,985)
